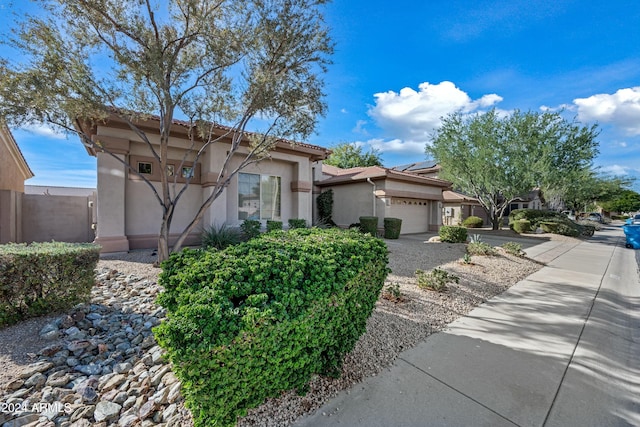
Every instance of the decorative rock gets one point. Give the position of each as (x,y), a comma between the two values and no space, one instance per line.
(169,412)
(14,385)
(128,420)
(90,369)
(36,380)
(174,393)
(82,412)
(111,381)
(58,379)
(78,345)
(49,327)
(157,377)
(23,420)
(147,409)
(34,368)
(106,411)
(51,350)
(81,423)
(121,368)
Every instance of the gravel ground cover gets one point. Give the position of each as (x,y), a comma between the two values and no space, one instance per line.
(127,287)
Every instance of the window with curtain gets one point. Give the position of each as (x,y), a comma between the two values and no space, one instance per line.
(259,196)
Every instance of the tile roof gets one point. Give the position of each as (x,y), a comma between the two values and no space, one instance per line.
(379,172)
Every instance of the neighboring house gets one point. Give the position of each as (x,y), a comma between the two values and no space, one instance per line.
(14,170)
(385,193)
(457,207)
(129,216)
(533,200)
(427,168)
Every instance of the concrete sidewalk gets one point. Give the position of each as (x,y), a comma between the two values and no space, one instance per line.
(560,348)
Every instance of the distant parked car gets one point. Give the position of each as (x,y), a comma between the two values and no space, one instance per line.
(635,220)
(569,215)
(596,217)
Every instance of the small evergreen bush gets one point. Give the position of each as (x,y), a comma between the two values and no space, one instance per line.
(44,278)
(250,228)
(220,237)
(453,234)
(392,228)
(473,222)
(256,319)
(521,226)
(273,225)
(369,224)
(297,223)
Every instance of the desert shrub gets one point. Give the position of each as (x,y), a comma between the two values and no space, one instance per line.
(521,226)
(480,248)
(466,258)
(453,234)
(273,225)
(392,228)
(250,228)
(44,278)
(220,237)
(513,248)
(369,224)
(251,321)
(437,279)
(549,221)
(393,293)
(473,222)
(297,223)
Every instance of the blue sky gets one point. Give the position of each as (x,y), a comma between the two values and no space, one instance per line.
(400,66)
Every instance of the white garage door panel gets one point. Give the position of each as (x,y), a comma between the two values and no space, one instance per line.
(415,218)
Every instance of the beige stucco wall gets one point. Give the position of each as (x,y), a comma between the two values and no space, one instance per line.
(137,214)
(428,191)
(352,201)
(12,164)
(59,218)
(10,216)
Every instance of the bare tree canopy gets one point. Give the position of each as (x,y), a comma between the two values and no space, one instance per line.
(247,64)
(498,159)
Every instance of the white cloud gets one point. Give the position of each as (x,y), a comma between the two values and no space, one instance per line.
(616,169)
(360,127)
(397,146)
(413,115)
(622,109)
(44,130)
(344,111)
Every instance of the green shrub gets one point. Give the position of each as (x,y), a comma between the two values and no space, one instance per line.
(262,317)
(325,208)
(550,227)
(355,226)
(369,224)
(437,279)
(273,225)
(392,228)
(220,237)
(453,234)
(480,248)
(473,222)
(250,228)
(521,226)
(297,223)
(513,248)
(43,278)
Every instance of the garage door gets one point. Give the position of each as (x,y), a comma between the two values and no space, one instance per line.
(414,215)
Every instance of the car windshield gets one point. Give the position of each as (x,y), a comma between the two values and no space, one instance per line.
(637,216)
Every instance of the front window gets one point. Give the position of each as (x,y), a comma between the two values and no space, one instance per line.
(258,196)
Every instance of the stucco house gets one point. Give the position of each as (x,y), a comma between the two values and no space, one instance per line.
(128,215)
(14,170)
(385,193)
